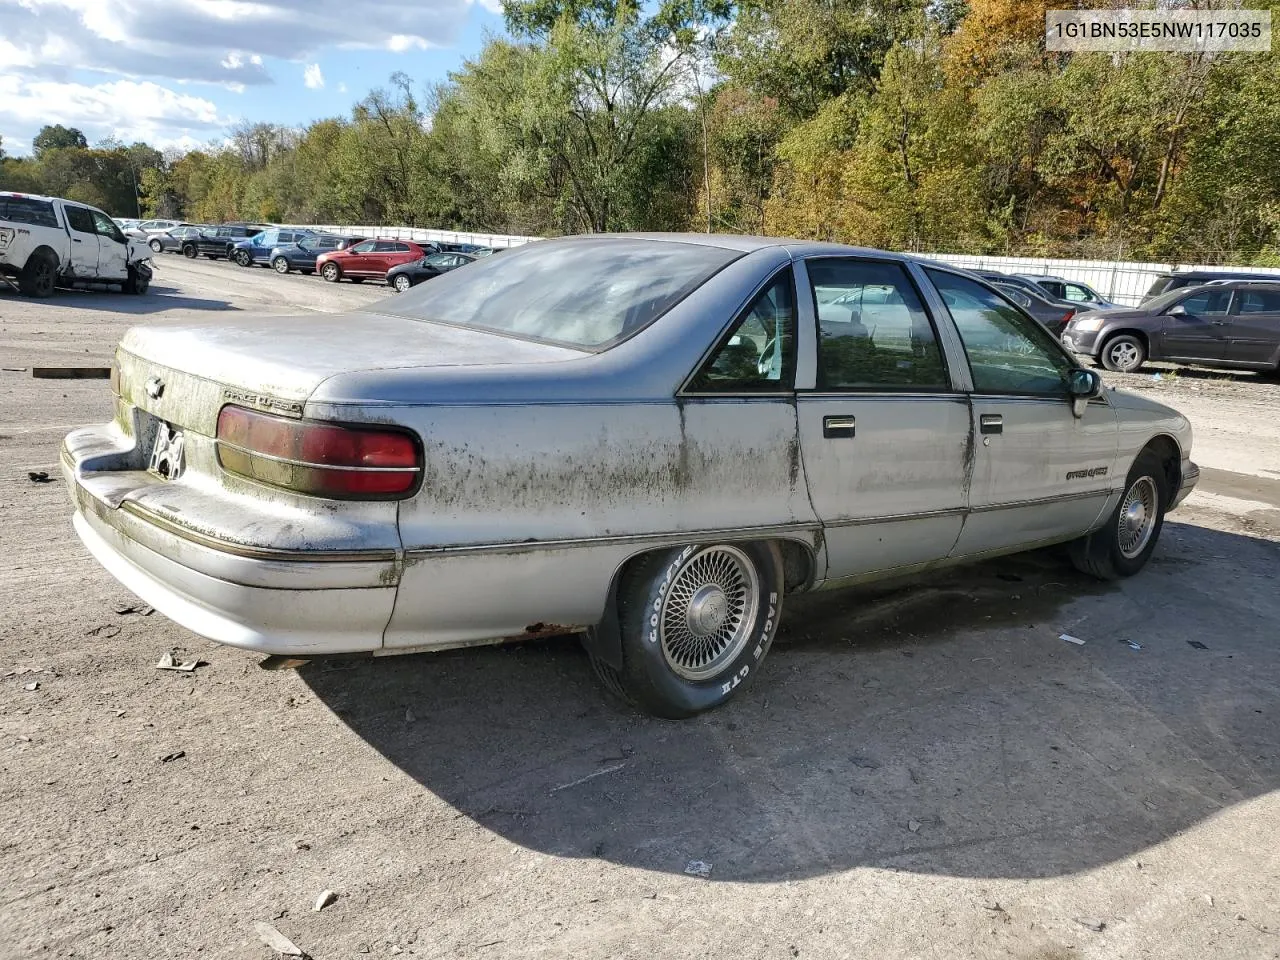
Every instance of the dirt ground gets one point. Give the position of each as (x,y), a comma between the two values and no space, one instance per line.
(922,771)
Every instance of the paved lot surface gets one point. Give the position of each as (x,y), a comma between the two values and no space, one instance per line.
(922,770)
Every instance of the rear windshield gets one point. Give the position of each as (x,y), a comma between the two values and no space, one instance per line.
(38,213)
(1160,285)
(586,294)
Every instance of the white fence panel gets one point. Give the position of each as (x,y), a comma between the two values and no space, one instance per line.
(419,234)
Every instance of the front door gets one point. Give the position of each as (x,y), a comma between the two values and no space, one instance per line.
(84,241)
(1199,333)
(360,261)
(884,434)
(1039,472)
(1255,326)
(113,248)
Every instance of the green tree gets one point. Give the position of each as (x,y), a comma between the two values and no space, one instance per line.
(57,137)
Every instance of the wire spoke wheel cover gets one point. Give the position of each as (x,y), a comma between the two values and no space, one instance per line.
(709,612)
(1137,520)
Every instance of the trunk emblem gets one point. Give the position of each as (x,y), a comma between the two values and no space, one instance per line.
(154,388)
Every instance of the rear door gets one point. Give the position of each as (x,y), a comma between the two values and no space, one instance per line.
(1201,333)
(1254,331)
(885,433)
(113,249)
(383,257)
(84,240)
(1040,474)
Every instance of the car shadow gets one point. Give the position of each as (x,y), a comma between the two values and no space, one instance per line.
(159,298)
(936,726)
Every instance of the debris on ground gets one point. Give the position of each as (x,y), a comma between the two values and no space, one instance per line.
(1197,644)
(167,662)
(103,631)
(1097,926)
(698,868)
(33,685)
(170,757)
(1070,639)
(326,897)
(914,826)
(39,476)
(1132,645)
(276,940)
(126,608)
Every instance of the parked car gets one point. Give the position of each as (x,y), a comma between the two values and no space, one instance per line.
(1073,291)
(47,242)
(171,241)
(471,249)
(301,256)
(1168,282)
(432,265)
(368,260)
(259,247)
(218,242)
(1054,314)
(1232,325)
(125,223)
(158,226)
(540,444)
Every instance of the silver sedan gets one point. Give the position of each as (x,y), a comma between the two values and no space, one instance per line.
(650,439)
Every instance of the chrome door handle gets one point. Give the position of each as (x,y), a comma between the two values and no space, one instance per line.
(991,423)
(835,428)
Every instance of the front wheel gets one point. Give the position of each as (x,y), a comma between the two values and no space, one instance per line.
(1123,353)
(190,251)
(137,281)
(696,624)
(243,258)
(402,283)
(1124,544)
(331,272)
(281,265)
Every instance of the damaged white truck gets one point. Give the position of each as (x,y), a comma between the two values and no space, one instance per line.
(48,242)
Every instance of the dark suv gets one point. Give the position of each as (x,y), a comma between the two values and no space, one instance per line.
(218,242)
(1168,282)
(1232,325)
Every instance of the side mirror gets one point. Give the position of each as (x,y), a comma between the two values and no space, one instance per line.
(1083,386)
(1177,310)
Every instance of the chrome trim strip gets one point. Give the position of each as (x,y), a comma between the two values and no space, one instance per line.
(243,550)
(304,463)
(1042,501)
(899,517)
(665,536)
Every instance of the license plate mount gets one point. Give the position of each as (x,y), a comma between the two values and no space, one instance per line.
(167,460)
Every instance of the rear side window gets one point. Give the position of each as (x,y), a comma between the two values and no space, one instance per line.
(758,353)
(1076,293)
(1260,301)
(873,332)
(37,213)
(79,219)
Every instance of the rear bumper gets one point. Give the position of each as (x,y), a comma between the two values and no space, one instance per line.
(1190,477)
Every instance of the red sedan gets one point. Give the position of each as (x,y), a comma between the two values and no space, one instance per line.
(369,260)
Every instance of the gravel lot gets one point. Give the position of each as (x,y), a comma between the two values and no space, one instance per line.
(923,770)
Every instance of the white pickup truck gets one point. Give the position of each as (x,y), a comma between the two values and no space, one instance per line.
(46,242)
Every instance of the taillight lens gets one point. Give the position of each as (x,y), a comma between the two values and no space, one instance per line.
(321,459)
(1066,318)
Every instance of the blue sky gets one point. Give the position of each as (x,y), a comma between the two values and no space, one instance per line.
(179,73)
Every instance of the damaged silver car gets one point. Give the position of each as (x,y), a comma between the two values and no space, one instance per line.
(654,440)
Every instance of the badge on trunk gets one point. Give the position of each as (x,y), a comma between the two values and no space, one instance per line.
(166,453)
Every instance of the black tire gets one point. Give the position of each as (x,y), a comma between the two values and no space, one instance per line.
(401,282)
(155,245)
(1123,353)
(331,272)
(190,252)
(683,675)
(281,265)
(242,258)
(1102,554)
(39,276)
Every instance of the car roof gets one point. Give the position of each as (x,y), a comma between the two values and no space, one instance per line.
(1222,274)
(749,244)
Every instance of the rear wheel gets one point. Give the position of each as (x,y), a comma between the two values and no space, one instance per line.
(1123,545)
(402,283)
(40,275)
(243,258)
(155,245)
(696,624)
(281,265)
(331,272)
(1123,353)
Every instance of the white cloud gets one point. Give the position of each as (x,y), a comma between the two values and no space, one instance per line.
(342,88)
(400,42)
(312,77)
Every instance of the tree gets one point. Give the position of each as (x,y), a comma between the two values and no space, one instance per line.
(57,137)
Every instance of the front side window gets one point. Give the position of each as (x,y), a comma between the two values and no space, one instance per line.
(758,353)
(582,293)
(1260,301)
(1212,301)
(103,226)
(873,332)
(1008,352)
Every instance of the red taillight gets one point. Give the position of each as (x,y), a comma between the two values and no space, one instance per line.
(322,459)
(1066,318)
